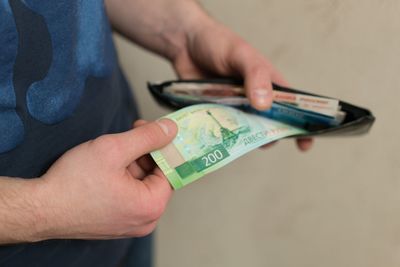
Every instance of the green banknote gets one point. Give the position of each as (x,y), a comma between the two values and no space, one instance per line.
(210,136)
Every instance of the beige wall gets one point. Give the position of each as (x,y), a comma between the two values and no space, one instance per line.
(338,205)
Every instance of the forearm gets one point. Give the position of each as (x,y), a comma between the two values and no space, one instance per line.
(21,217)
(162,26)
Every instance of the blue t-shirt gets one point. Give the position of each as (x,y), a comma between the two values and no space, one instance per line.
(60,85)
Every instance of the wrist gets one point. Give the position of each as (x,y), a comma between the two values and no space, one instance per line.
(22,210)
(53,211)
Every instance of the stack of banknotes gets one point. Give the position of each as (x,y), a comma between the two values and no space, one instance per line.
(306,111)
(225,126)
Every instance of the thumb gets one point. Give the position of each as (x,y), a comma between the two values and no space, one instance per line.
(257,76)
(258,84)
(145,139)
(258,87)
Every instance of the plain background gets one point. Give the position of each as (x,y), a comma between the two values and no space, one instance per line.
(339,204)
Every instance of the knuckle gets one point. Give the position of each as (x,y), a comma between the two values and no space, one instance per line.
(240,46)
(145,230)
(239,52)
(154,211)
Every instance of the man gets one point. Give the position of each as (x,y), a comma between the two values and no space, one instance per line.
(76,181)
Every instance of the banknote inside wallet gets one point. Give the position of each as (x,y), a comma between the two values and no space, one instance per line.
(319,115)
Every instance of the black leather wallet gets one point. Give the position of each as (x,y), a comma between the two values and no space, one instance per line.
(358,120)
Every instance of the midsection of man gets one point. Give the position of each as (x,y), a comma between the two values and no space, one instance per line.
(60,85)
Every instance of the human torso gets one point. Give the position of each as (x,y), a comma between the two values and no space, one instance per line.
(60,85)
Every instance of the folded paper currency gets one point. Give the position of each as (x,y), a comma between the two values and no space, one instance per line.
(210,136)
(300,110)
(225,93)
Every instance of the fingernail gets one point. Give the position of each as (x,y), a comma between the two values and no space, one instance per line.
(260,96)
(163,123)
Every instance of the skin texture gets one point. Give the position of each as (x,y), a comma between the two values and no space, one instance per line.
(197,46)
(66,202)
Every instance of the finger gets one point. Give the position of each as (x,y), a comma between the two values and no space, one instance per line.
(304,144)
(259,88)
(144,139)
(186,69)
(269,145)
(144,230)
(277,78)
(139,123)
(136,171)
(147,163)
(159,188)
(158,184)
(257,76)
(156,192)
(142,167)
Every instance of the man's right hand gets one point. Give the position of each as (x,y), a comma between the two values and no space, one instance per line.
(105,188)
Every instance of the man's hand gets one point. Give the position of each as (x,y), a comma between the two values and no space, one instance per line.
(105,188)
(214,50)
(197,45)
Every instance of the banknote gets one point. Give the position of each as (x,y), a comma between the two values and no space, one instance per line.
(211,136)
(224,94)
(322,105)
(228,93)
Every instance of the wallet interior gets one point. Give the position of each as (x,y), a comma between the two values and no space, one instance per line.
(358,120)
